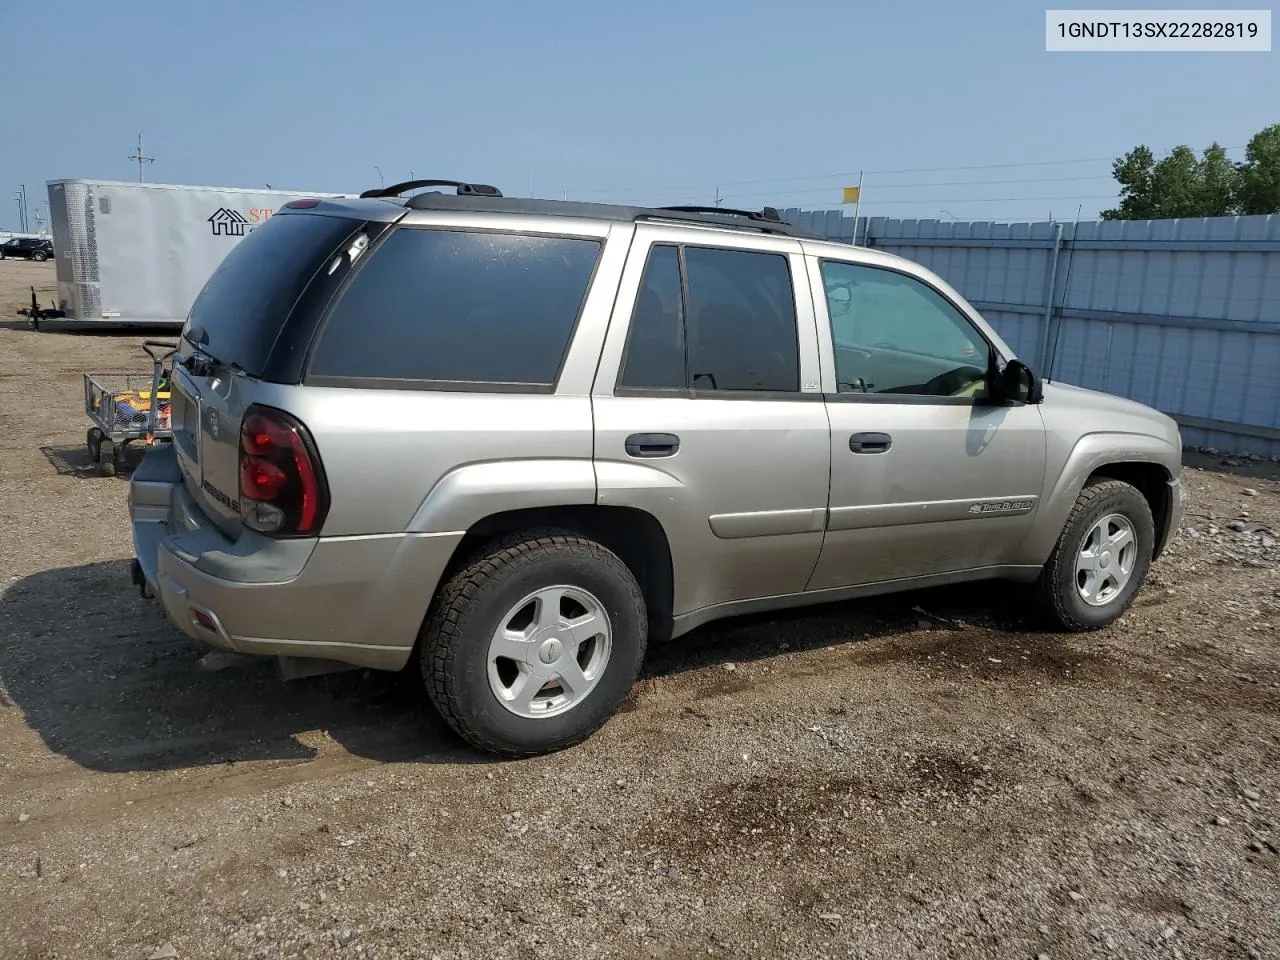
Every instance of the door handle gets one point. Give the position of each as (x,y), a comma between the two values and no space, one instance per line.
(652,445)
(870,442)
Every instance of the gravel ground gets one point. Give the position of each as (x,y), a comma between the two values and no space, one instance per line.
(920,776)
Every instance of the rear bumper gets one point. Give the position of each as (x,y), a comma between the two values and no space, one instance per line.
(356,600)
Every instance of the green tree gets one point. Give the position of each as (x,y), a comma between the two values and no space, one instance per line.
(1260,173)
(1219,184)
(1177,185)
(1134,172)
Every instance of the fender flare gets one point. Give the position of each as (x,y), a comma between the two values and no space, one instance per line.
(1091,452)
(469,493)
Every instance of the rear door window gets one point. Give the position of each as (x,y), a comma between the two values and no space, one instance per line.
(711,321)
(245,303)
(450,308)
(742,321)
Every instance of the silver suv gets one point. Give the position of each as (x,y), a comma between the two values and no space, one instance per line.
(514,441)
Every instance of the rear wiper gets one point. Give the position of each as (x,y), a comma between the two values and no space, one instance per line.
(204,363)
(201,365)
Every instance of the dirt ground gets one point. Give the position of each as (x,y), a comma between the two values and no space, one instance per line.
(920,776)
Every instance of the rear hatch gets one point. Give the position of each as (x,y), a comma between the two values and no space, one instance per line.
(227,342)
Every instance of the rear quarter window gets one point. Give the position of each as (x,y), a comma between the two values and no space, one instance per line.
(450,308)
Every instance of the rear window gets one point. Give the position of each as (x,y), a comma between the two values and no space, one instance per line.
(449,307)
(245,302)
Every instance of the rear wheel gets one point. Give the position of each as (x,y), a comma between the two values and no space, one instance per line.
(535,644)
(39,256)
(1101,559)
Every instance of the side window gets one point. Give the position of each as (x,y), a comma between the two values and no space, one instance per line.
(654,358)
(895,334)
(741,321)
(460,307)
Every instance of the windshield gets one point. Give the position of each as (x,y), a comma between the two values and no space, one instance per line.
(244,304)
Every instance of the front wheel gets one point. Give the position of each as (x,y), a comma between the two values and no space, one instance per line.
(535,644)
(1101,559)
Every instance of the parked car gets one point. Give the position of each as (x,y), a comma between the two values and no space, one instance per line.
(509,443)
(27,248)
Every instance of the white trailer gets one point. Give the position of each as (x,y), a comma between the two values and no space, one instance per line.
(138,253)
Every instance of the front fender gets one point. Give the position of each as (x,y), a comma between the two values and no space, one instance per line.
(1091,452)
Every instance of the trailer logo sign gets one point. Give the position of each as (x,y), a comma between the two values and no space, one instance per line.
(228,223)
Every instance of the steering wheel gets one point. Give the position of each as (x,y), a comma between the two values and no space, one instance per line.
(952,382)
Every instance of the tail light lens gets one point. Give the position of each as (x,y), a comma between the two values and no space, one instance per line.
(282,486)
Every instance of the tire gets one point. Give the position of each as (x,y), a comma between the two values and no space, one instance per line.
(93,440)
(39,256)
(1061,586)
(455,645)
(106,457)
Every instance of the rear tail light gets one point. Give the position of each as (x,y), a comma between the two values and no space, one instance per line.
(282,485)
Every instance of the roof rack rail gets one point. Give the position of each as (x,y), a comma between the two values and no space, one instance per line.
(766,221)
(768,214)
(463,189)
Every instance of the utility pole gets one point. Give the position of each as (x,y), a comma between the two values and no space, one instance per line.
(718,197)
(381,181)
(24,208)
(141,157)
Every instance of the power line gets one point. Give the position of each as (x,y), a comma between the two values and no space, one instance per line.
(904,186)
(877,202)
(964,183)
(832,176)
(1103,196)
(847,174)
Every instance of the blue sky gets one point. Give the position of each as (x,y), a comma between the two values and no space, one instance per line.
(651,102)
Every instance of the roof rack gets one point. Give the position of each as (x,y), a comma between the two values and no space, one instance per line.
(463,189)
(765,221)
(769,214)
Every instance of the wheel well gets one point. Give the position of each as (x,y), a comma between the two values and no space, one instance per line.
(634,535)
(1152,481)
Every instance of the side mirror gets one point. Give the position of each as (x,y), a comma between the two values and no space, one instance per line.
(1019,382)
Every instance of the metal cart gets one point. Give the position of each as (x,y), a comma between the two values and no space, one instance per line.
(128,408)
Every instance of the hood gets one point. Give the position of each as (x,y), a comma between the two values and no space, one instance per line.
(1092,410)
